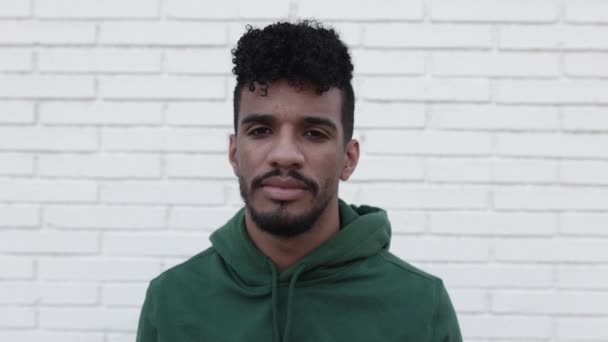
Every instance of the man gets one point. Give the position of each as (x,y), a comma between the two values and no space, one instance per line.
(297,263)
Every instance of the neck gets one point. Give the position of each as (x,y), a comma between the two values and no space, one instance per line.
(286,251)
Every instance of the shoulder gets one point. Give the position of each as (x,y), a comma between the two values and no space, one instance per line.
(196,267)
(401,267)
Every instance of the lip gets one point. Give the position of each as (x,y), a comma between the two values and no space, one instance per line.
(283,189)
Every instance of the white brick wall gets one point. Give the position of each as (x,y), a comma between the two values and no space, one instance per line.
(483,128)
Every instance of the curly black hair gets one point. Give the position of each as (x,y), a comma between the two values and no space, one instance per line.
(300,53)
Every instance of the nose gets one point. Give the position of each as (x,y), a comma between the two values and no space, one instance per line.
(286,153)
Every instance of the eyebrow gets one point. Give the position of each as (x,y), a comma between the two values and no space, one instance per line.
(316,120)
(257,118)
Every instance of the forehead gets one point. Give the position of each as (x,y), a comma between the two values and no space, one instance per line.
(286,101)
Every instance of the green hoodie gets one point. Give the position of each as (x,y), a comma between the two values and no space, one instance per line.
(351,288)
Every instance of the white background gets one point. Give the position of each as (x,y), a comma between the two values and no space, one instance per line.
(483,127)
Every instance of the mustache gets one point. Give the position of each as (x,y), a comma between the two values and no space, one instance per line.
(309,183)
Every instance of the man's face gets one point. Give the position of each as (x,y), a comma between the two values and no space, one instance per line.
(289,155)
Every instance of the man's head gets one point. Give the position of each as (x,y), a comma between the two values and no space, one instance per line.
(293,120)
(303,53)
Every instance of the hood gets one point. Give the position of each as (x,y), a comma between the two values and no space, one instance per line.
(364,232)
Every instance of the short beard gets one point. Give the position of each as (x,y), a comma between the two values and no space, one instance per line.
(279,222)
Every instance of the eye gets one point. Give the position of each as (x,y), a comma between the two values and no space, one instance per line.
(259,131)
(316,134)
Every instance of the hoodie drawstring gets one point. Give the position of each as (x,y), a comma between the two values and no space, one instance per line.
(275,302)
(290,291)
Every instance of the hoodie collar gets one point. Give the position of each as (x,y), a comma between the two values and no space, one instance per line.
(364,231)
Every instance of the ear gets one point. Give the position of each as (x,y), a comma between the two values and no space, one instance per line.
(232,153)
(351,158)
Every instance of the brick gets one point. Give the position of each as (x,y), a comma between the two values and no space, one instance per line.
(525,170)
(14,317)
(583,64)
(14,9)
(404,221)
(15,60)
(200,113)
(493,224)
(424,89)
(469,301)
(19,293)
(552,92)
(491,117)
(69,294)
(491,275)
(19,216)
(532,37)
(384,168)
(389,115)
(494,10)
(506,64)
(551,198)
(459,170)
(442,36)
(163,33)
(63,336)
(108,9)
(100,166)
(120,337)
(585,118)
(584,172)
(582,328)
(231,9)
(440,248)
(162,87)
(16,112)
(163,139)
(207,61)
(512,327)
(551,145)
(551,250)
(48,139)
(549,303)
(424,197)
(33,86)
(586,11)
(100,113)
(427,142)
(94,319)
(31,293)
(594,224)
(50,33)
(106,60)
(16,267)
(47,191)
(391,10)
(123,294)
(105,217)
(154,192)
(388,62)
(494,171)
(351,33)
(592,277)
(200,219)
(154,244)
(14,164)
(197,166)
(49,242)
(96,269)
